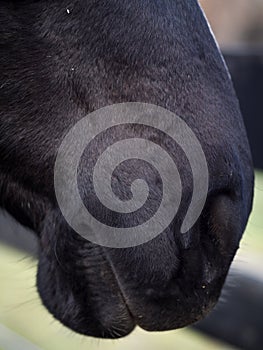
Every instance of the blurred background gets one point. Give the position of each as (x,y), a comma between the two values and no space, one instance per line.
(236,23)
(237,321)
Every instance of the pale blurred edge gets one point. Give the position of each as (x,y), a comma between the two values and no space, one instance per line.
(9,340)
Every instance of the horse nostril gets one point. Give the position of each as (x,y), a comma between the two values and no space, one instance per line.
(221,222)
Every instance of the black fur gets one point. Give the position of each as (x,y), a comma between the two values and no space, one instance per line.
(62,59)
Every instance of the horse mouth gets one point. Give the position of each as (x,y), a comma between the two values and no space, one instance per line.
(99,296)
(114,315)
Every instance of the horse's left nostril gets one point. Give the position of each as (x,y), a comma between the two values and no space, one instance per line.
(221,223)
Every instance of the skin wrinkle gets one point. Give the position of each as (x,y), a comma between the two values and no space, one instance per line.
(60,65)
